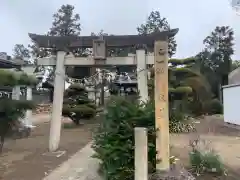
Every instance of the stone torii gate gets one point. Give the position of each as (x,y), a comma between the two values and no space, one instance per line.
(64,57)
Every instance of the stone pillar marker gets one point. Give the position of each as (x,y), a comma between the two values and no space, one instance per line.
(141,154)
(56,120)
(161,105)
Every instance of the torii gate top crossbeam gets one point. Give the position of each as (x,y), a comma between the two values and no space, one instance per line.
(111,41)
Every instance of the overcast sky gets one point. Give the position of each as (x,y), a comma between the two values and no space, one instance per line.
(194,18)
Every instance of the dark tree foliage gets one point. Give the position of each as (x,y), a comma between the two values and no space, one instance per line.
(114,139)
(21,52)
(235,64)
(155,22)
(188,88)
(219,45)
(65,22)
(76,104)
(204,63)
(215,60)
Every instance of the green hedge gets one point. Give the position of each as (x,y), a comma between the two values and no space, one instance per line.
(114,140)
(213,106)
(10,78)
(76,104)
(81,111)
(78,112)
(12,110)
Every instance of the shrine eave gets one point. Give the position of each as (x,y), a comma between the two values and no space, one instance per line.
(111,41)
(8,64)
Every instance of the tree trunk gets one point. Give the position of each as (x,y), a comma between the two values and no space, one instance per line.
(51,94)
(76,121)
(2,142)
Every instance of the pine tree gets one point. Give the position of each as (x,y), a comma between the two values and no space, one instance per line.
(12,110)
(76,104)
(217,57)
(65,22)
(21,52)
(155,22)
(186,86)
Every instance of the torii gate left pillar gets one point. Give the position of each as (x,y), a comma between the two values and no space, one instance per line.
(59,82)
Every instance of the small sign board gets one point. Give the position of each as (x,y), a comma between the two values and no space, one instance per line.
(99,49)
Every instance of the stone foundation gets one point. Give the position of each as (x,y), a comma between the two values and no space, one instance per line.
(175,173)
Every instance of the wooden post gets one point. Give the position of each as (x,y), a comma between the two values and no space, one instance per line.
(161,104)
(141,154)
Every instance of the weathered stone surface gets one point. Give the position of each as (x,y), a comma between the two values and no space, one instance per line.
(175,173)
